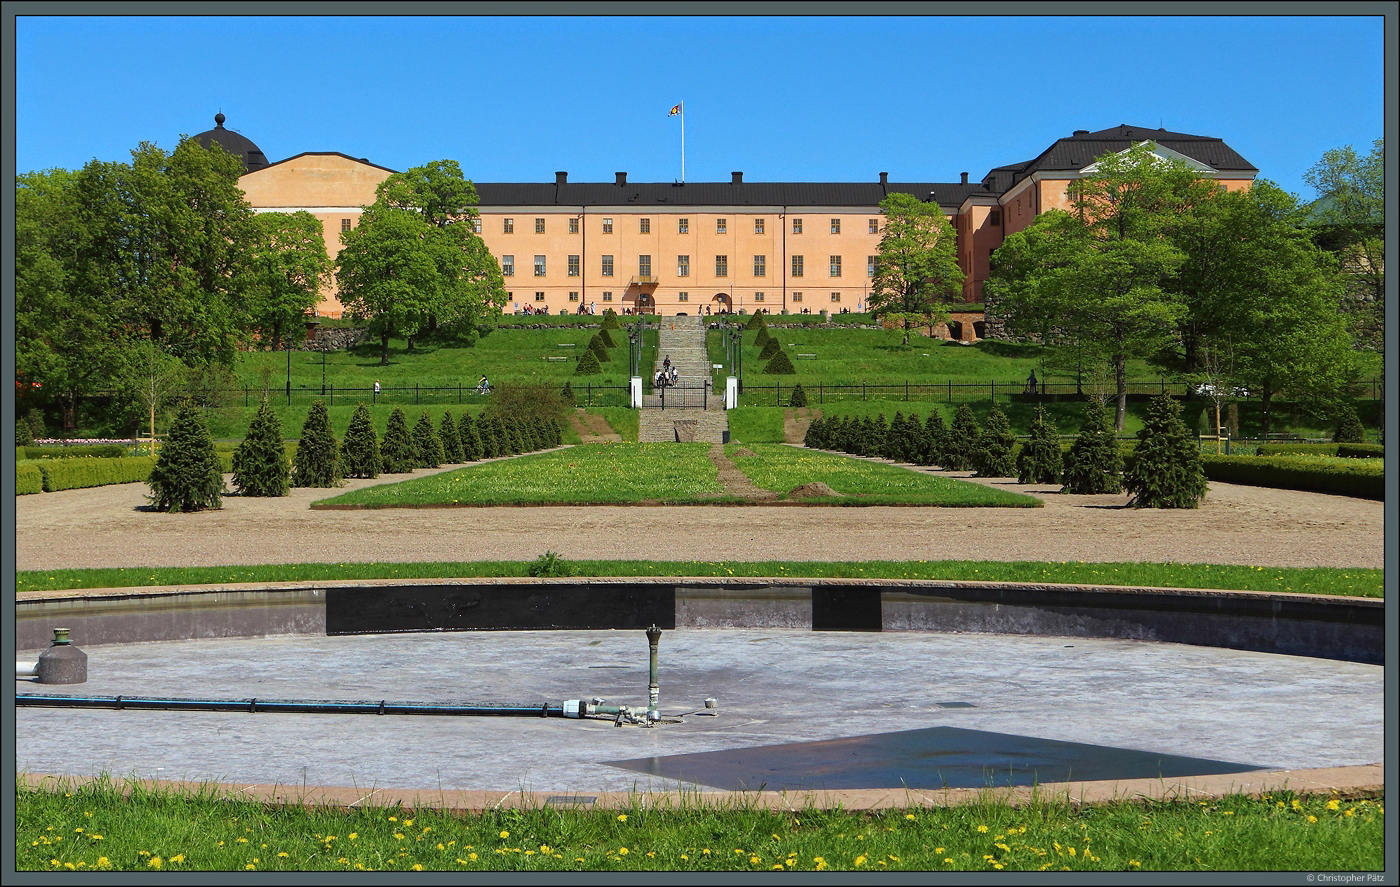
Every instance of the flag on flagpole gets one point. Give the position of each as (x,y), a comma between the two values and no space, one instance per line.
(675,109)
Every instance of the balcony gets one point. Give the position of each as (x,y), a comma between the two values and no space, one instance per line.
(641,280)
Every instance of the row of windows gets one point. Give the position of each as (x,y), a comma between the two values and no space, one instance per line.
(681,296)
(760,266)
(682,226)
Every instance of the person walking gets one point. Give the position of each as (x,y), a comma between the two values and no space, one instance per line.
(375,399)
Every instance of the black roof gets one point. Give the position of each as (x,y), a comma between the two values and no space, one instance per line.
(234,143)
(708,194)
(1083,148)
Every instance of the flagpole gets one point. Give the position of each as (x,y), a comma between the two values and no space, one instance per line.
(682,143)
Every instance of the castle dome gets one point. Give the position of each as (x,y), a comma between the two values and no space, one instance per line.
(234,143)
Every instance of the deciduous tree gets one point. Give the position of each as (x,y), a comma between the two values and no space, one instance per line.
(916,268)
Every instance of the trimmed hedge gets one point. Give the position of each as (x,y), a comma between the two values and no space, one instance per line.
(1364,478)
(1361,451)
(28,478)
(72,474)
(1349,450)
(99,451)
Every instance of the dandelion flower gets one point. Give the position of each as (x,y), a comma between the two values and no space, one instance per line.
(154,862)
(622,851)
(982,829)
(505,834)
(622,817)
(1333,805)
(860,861)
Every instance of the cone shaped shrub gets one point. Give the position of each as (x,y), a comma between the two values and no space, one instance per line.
(486,431)
(511,441)
(567,394)
(799,397)
(359,452)
(186,475)
(471,441)
(397,451)
(610,320)
(427,446)
(600,350)
(763,338)
(780,365)
(317,462)
(1093,464)
(260,463)
(756,322)
(992,457)
(1040,460)
(770,348)
(451,441)
(960,440)
(932,439)
(606,338)
(1349,428)
(1164,469)
(815,438)
(588,364)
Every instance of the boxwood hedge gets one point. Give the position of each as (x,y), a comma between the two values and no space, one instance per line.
(101,451)
(28,478)
(1364,478)
(71,474)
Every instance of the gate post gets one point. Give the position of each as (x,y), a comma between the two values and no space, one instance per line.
(634,392)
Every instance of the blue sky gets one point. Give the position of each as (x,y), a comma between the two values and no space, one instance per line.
(514,99)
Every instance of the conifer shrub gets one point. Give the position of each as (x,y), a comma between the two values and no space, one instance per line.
(610,321)
(961,440)
(891,447)
(471,441)
(600,350)
(186,476)
(815,438)
(451,441)
(756,322)
(490,440)
(798,398)
(1164,469)
(992,456)
(1093,464)
(511,441)
(588,364)
(933,440)
(1348,429)
(763,338)
(567,395)
(606,338)
(770,348)
(780,365)
(317,462)
(427,446)
(397,452)
(359,452)
(1040,460)
(260,463)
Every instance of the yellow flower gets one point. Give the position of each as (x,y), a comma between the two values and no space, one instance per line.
(860,861)
(754,860)
(683,856)
(393,819)
(947,860)
(407,822)
(1134,863)
(622,817)
(779,867)
(353,835)
(471,856)
(938,850)
(418,866)
(249,867)
(1347,812)
(1312,818)
(1072,850)
(982,829)
(283,855)
(505,834)
(908,816)
(178,858)
(154,862)
(1333,805)
(622,851)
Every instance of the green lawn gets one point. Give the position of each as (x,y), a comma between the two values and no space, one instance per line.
(1353,582)
(782,468)
(98,827)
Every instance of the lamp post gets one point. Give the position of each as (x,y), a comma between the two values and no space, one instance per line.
(323,371)
(289,371)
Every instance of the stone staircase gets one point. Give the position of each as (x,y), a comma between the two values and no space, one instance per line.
(683,340)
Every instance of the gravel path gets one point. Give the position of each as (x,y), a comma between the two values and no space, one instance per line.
(109,526)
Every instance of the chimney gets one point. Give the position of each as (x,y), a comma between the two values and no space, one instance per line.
(964,178)
(1081,132)
(621,178)
(561,178)
(884,178)
(736,178)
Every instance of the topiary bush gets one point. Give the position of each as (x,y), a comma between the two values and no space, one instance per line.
(961,440)
(780,365)
(933,440)
(770,348)
(588,364)
(567,395)
(1040,460)
(1093,464)
(756,322)
(599,350)
(186,475)
(451,442)
(260,463)
(606,338)
(610,321)
(471,441)
(992,455)
(28,478)
(1348,428)
(397,452)
(1164,468)
(799,397)
(317,462)
(359,453)
(427,447)
(73,474)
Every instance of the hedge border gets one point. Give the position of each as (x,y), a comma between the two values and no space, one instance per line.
(1351,477)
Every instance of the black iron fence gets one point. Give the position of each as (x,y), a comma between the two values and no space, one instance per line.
(586,394)
(779,394)
(678,397)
